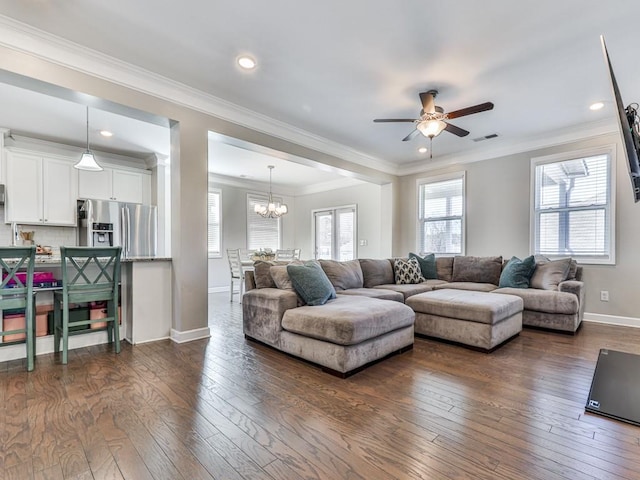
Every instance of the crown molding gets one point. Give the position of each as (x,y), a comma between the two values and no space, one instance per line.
(38,43)
(523,144)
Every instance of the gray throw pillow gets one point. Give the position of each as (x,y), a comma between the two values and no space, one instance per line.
(311,283)
(517,273)
(467,268)
(376,272)
(548,275)
(262,273)
(427,265)
(343,275)
(407,271)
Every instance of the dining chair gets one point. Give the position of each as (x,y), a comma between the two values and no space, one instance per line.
(89,274)
(16,296)
(286,254)
(236,271)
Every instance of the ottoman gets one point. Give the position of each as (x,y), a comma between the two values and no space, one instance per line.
(477,319)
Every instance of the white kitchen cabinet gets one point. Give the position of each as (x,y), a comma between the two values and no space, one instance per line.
(41,189)
(115,184)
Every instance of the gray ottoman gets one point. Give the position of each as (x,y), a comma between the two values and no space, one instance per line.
(477,319)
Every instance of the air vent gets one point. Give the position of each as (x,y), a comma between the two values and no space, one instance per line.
(486,137)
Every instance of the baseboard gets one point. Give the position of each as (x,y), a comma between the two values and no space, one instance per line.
(612,320)
(44,345)
(190,335)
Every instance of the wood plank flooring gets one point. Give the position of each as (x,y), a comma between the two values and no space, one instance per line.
(226,408)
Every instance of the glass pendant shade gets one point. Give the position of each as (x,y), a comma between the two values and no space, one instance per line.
(431,128)
(88,161)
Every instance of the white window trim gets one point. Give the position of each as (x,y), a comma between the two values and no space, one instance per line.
(436,179)
(334,209)
(219,192)
(609,150)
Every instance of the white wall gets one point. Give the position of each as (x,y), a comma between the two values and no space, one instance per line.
(366,197)
(498,206)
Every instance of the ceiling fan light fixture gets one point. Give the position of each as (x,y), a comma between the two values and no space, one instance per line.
(88,161)
(431,128)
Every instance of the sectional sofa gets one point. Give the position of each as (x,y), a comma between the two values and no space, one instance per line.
(371,317)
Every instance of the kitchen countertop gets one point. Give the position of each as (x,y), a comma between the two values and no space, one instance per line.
(55,260)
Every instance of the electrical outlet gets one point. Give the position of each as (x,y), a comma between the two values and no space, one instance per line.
(364,243)
(604,295)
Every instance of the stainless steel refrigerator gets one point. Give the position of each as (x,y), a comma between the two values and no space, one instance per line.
(130,225)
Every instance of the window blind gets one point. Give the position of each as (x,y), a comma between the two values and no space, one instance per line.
(572,208)
(441,216)
(214,220)
(262,232)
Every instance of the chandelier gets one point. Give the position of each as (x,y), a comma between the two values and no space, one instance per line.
(88,160)
(271,210)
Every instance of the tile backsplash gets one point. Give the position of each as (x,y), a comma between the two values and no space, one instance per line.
(43,235)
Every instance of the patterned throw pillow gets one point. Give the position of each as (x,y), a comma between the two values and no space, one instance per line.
(407,271)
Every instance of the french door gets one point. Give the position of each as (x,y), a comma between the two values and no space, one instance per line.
(335,233)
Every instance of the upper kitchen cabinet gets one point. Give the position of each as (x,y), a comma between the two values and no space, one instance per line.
(116,184)
(41,189)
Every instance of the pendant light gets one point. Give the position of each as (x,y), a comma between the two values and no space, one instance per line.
(271,210)
(88,161)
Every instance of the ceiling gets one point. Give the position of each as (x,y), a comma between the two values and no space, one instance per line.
(330,68)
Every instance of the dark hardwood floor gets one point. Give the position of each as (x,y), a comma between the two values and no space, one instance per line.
(226,408)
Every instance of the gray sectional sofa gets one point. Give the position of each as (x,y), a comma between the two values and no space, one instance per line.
(369,318)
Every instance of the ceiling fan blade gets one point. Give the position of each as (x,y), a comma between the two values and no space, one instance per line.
(428,101)
(461,132)
(411,135)
(387,120)
(470,110)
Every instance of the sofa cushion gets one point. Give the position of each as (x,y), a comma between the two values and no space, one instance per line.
(311,283)
(548,274)
(467,268)
(262,275)
(471,286)
(380,293)
(517,273)
(281,278)
(547,301)
(427,265)
(412,288)
(444,268)
(348,319)
(376,272)
(407,271)
(343,275)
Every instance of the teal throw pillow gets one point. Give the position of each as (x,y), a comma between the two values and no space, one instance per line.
(311,283)
(517,273)
(427,265)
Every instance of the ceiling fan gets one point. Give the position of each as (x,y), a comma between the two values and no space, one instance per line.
(432,117)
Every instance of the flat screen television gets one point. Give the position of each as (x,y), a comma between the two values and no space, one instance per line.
(629,128)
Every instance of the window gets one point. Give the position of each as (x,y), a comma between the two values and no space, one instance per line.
(262,232)
(335,233)
(572,207)
(214,220)
(441,215)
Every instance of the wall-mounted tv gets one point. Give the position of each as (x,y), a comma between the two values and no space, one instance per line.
(629,128)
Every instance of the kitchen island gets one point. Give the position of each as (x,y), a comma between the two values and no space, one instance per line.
(146,301)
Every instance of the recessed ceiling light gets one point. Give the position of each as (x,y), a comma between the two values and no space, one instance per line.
(596,106)
(422,150)
(246,62)
(106,133)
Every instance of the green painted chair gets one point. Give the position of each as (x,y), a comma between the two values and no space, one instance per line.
(89,274)
(16,294)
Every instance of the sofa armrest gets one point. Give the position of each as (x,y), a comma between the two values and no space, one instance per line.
(577,288)
(262,312)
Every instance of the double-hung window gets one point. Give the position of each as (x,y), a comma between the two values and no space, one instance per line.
(214,215)
(441,215)
(262,233)
(572,206)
